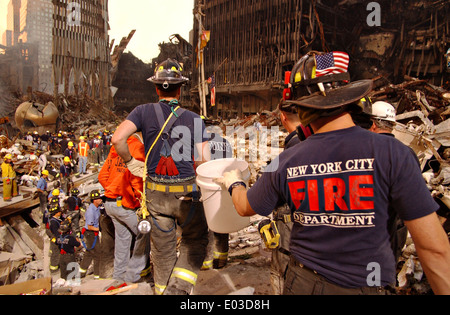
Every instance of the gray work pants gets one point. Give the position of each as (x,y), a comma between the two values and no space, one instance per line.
(174,275)
(125,225)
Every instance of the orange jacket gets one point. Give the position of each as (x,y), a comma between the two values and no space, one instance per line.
(117,180)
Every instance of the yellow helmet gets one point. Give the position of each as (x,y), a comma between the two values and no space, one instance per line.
(8,156)
(82,138)
(55,192)
(45,172)
(66,159)
(70,144)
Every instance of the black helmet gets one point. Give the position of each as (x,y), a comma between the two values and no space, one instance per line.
(75,191)
(65,225)
(168,75)
(54,208)
(95,194)
(320,80)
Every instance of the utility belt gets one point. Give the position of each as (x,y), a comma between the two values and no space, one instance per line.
(181,188)
(118,202)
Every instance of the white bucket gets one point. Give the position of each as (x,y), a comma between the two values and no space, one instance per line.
(219,209)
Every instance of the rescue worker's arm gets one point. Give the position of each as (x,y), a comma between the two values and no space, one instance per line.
(240,201)
(93,228)
(433,248)
(120,137)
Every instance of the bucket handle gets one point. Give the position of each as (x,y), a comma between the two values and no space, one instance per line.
(201,200)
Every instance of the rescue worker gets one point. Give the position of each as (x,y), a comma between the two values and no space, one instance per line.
(382,115)
(217,250)
(83,151)
(339,184)
(41,189)
(122,192)
(52,225)
(282,214)
(67,244)
(74,205)
(97,150)
(171,194)
(70,151)
(65,171)
(90,236)
(9,179)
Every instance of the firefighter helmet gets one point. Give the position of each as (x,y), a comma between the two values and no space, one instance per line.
(75,191)
(95,194)
(321,81)
(168,75)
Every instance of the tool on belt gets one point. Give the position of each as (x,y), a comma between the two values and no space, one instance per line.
(269,233)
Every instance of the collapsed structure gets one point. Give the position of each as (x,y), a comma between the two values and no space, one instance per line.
(252,43)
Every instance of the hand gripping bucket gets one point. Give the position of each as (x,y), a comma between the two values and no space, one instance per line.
(219,209)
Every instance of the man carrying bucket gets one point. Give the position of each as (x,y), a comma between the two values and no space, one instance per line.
(339,184)
(171,136)
(220,148)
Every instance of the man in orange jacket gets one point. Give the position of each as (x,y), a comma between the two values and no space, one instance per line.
(122,192)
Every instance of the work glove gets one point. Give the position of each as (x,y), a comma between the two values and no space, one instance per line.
(136,167)
(229,178)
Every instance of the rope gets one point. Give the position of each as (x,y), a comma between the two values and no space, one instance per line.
(144,210)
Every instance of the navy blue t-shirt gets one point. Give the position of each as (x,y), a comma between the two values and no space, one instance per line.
(339,186)
(188,130)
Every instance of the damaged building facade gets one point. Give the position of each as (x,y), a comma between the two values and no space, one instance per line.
(252,43)
(81,52)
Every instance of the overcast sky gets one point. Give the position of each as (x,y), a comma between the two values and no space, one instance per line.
(154,21)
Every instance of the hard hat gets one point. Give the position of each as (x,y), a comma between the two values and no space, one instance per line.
(383,110)
(45,172)
(321,81)
(70,144)
(168,75)
(95,194)
(82,138)
(59,135)
(66,159)
(75,191)
(8,156)
(55,192)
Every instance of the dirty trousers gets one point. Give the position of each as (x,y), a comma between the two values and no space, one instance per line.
(92,253)
(217,251)
(125,225)
(69,267)
(171,275)
(53,251)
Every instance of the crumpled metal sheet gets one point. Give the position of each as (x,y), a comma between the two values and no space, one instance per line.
(36,115)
